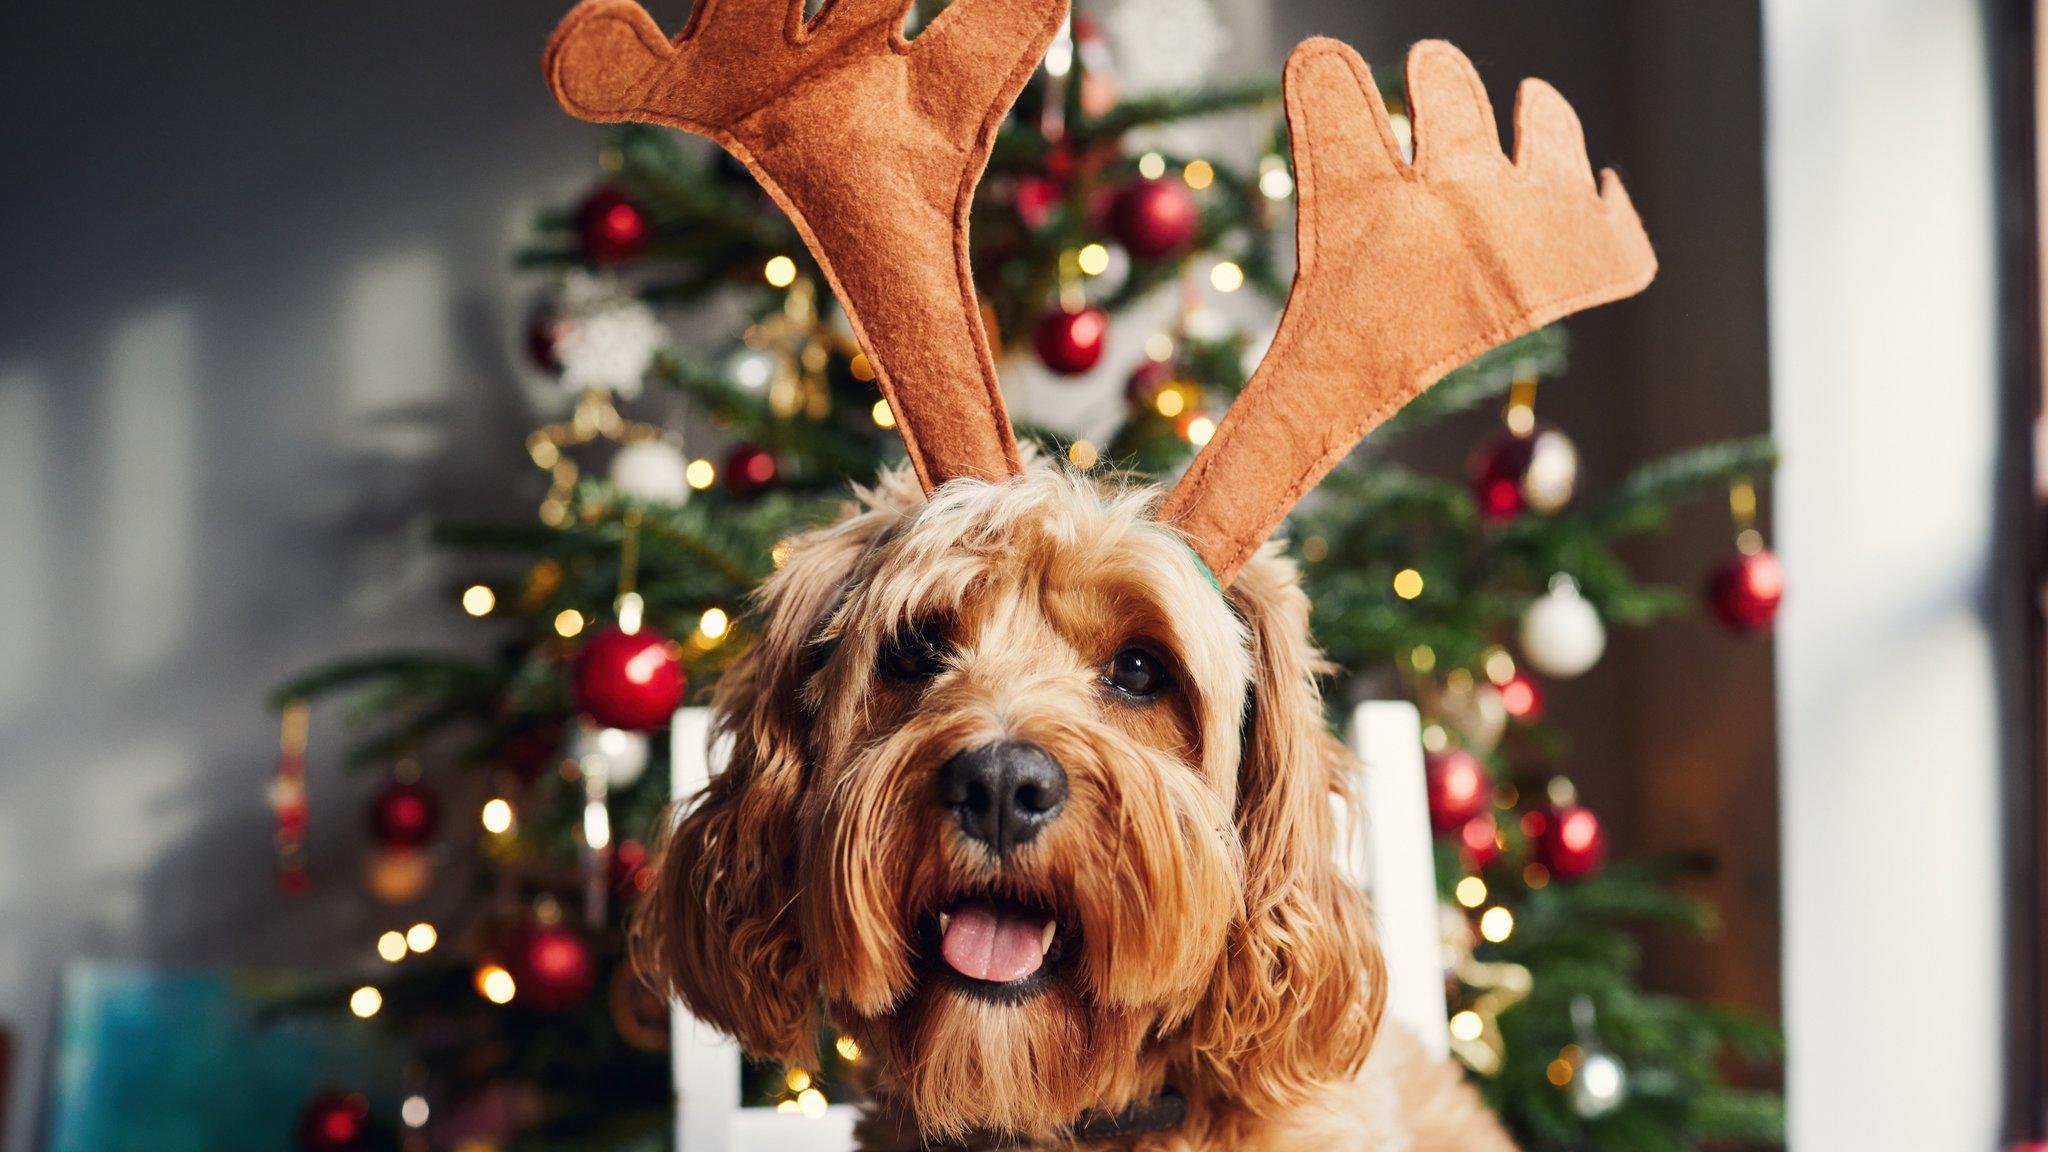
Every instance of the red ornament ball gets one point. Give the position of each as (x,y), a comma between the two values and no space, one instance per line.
(1154,218)
(1522,699)
(1459,788)
(1512,473)
(1036,197)
(629,681)
(556,969)
(1071,343)
(611,226)
(544,332)
(749,469)
(404,814)
(1573,843)
(334,1122)
(1479,841)
(1744,593)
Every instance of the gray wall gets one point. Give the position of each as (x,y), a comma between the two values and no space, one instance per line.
(255,329)
(255,258)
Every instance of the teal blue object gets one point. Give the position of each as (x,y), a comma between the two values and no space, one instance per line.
(1201,565)
(153,1061)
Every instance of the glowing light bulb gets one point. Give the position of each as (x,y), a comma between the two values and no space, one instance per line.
(700,474)
(1199,174)
(478,600)
(391,946)
(497,816)
(1497,924)
(632,611)
(422,937)
(1226,276)
(1471,891)
(780,271)
(568,622)
(1467,1026)
(1407,583)
(714,624)
(1275,182)
(1094,259)
(1151,165)
(495,984)
(883,415)
(365,1002)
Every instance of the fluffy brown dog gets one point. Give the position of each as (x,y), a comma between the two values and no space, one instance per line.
(1023,803)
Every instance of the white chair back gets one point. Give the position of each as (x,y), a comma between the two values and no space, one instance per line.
(1392,861)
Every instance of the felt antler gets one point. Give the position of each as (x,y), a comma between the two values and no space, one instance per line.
(870,143)
(1404,273)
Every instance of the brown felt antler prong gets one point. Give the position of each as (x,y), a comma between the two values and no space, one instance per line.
(871,144)
(1404,272)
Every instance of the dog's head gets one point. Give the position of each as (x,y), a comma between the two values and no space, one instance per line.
(1023,802)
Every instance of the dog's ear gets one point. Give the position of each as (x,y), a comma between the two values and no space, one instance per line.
(718,928)
(1302,983)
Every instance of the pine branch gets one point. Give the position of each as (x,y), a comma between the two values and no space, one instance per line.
(1027,147)
(1748,1118)
(425,669)
(1644,501)
(1486,378)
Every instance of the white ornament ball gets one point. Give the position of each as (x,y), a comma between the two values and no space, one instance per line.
(751,368)
(651,470)
(1599,1086)
(1562,635)
(620,755)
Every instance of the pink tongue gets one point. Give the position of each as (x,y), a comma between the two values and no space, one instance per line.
(983,944)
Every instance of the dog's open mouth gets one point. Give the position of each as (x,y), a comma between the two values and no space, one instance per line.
(996,949)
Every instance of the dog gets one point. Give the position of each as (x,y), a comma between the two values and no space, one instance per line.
(1024,803)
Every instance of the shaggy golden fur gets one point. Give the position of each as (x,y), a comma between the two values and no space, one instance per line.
(1208,940)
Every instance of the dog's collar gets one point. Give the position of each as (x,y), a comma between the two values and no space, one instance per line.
(1161,1113)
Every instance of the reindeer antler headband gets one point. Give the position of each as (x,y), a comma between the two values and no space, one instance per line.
(1404,271)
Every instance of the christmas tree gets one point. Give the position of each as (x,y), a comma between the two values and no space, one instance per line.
(625,597)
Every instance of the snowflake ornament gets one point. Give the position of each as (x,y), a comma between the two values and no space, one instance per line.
(1160,45)
(609,336)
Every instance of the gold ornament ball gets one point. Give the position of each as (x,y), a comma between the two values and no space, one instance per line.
(397,875)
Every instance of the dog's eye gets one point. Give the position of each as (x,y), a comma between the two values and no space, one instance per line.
(1136,671)
(912,655)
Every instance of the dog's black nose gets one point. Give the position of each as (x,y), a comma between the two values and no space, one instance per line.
(1003,793)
